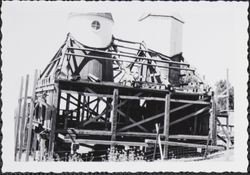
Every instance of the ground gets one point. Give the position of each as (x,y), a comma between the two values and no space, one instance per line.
(227,155)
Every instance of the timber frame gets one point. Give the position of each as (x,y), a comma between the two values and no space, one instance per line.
(67,110)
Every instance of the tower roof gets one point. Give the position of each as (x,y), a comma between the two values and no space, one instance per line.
(175,17)
(104,15)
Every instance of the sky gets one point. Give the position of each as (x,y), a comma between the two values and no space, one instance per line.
(214,38)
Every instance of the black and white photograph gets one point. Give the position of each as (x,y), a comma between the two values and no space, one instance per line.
(124,86)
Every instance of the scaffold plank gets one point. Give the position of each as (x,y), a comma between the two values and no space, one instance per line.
(106,142)
(190,101)
(191,145)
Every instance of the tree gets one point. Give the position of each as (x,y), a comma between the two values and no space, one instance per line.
(220,90)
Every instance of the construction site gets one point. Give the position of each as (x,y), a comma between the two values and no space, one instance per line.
(103,98)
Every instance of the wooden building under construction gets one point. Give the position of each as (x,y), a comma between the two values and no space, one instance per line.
(101,92)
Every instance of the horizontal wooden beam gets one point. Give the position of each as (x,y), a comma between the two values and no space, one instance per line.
(141,98)
(179,92)
(189,101)
(188,137)
(190,145)
(97,95)
(113,59)
(130,56)
(108,86)
(128,134)
(106,142)
(121,96)
(87,94)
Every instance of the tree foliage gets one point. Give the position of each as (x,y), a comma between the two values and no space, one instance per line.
(221,87)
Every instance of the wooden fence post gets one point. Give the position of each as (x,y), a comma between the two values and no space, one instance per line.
(18,118)
(28,146)
(22,129)
(114,116)
(166,124)
(213,127)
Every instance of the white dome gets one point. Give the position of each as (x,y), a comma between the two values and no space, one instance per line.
(91,29)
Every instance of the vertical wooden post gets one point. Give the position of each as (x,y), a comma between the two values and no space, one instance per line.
(34,146)
(214,133)
(78,108)
(107,114)
(18,118)
(227,109)
(97,107)
(42,149)
(114,115)
(15,120)
(212,121)
(67,113)
(88,99)
(83,108)
(28,146)
(55,112)
(25,136)
(22,129)
(166,124)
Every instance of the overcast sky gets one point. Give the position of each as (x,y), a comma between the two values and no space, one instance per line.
(214,36)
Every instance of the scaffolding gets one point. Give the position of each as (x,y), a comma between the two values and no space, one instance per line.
(69,109)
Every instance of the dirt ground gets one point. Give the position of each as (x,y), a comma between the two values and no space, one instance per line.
(227,155)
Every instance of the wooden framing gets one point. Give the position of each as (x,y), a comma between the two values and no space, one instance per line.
(31,118)
(80,132)
(123,131)
(129,56)
(81,111)
(127,61)
(87,111)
